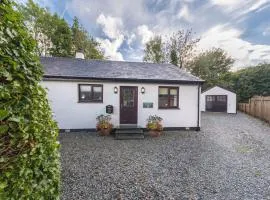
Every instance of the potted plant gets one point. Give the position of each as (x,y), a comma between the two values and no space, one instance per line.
(104,125)
(154,125)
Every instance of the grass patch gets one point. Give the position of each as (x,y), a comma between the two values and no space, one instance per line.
(244,149)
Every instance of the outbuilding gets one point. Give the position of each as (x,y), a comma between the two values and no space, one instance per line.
(218,99)
(79,90)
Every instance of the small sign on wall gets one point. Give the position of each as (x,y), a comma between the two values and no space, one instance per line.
(147,105)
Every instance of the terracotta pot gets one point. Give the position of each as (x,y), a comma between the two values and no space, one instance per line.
(154,133)
(105,131)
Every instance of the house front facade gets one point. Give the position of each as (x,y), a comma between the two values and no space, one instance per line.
(79,90)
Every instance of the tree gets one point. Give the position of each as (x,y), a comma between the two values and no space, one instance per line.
(29,153)
(78,35)
(61,37)
(154,51)
(252,81)
(54,35)
(82,41)
(213,66)
(39,23)
(180,48)
(173,57)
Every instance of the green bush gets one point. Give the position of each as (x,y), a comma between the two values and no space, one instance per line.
(29,160)
(252,81)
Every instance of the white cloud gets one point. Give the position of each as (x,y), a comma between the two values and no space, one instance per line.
(240,7)
(111,48)
(258,4)
(185,14)
(111,26)
(145,34)
(229,39)
(128,25)
(228,2)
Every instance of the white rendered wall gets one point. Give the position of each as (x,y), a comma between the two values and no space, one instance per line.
(231,98)
(70,114)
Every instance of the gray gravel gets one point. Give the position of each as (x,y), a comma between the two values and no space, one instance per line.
(228,159)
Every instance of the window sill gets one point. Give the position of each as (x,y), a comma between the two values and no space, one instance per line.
(90,102)
(169,108)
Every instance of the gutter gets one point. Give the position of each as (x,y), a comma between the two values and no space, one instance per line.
(87,79)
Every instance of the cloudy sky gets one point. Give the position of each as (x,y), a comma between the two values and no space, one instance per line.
(241,27)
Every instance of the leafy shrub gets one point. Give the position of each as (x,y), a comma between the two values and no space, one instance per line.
(154,123)
(103,122)
(29,151)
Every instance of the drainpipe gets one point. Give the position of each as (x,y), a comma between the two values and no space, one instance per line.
(198,111)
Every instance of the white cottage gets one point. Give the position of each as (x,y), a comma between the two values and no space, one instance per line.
(218,99)
(79,90)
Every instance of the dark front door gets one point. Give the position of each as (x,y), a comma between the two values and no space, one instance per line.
(216,103)
(128,105)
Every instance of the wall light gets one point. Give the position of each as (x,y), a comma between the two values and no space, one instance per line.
(142,90)
(115,90)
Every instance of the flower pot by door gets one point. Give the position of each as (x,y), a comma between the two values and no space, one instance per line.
(105,131)
(154,133)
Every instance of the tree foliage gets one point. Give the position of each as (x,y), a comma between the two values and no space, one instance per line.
(252,81)
(29,151)
(213,66)
(154,50)
(180,47)
(61,37)
(82,41)
(54,35)
(39,23)
(177,50)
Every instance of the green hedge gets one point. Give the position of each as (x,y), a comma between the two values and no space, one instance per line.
(29,160)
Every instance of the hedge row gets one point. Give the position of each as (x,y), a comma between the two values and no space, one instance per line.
(29,151)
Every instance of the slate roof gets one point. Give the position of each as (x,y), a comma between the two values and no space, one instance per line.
(72,68)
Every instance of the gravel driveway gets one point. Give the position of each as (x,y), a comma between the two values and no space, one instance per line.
(228,159)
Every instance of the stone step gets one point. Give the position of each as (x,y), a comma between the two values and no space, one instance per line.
(129,131)
(128,136)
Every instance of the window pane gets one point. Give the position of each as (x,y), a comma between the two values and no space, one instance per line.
(221,98)
(85,96)
(85,88)
(168,97)
(85,92)
(128,97)
(209,98)
(97,89)
(163,101)
(173,100)
(163,91)
(90,93)
(97,93)
(173,91)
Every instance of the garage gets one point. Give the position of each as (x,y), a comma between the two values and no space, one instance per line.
(216,103)
(218,99)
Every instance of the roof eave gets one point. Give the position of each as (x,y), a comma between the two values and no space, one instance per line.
(74,78)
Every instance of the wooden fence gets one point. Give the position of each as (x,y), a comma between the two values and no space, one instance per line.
(258,106)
